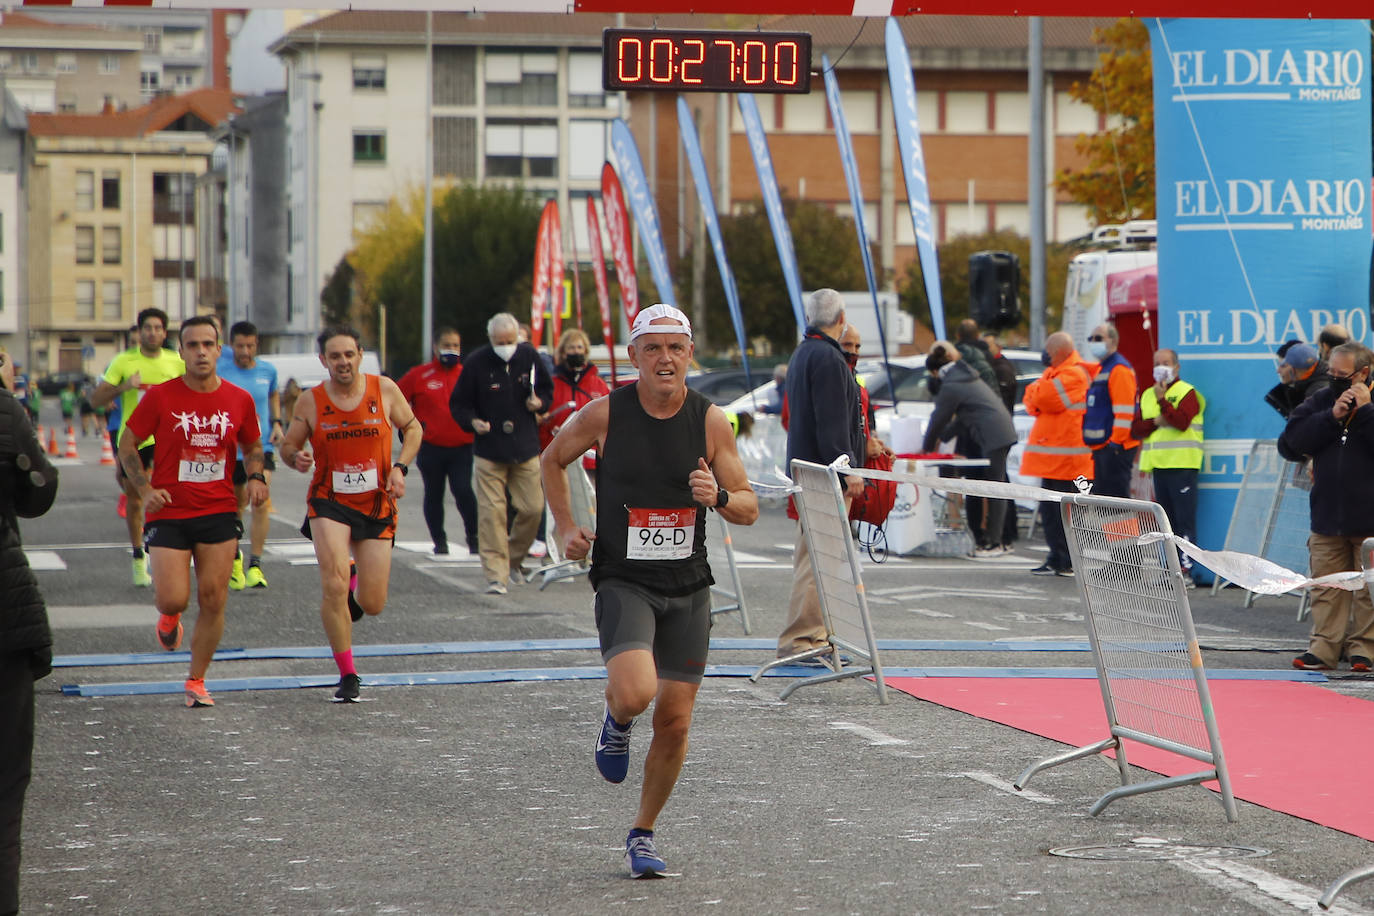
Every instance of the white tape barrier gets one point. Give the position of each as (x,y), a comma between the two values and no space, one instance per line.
(1256,574)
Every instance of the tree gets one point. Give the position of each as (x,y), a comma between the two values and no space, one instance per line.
(483,257)
(827,255)
(954,282)
(1118,181)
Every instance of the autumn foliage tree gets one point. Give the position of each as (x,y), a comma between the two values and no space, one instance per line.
(1117,182)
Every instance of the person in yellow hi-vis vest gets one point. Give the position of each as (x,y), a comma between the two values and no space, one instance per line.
(1169,423)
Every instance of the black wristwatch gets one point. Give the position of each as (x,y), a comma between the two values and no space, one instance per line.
(722,498)
(258,476)
(402,467)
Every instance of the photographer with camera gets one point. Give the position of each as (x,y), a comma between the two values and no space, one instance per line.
(28,486)
(503,389)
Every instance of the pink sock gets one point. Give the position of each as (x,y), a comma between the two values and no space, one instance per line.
(344,660)
(167,623)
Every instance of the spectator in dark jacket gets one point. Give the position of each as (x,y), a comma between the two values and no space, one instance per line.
(823,424)
(28,485)
(984,423)
(971,348)
(1301,375)
(1004,369)
(1335,428)
(503,387)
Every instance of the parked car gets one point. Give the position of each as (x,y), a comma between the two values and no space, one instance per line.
(53,383)
(723,386)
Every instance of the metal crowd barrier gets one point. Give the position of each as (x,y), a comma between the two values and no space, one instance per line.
(839,583)
(1271,518)
(1140,627)
(1355,875)
(583,498)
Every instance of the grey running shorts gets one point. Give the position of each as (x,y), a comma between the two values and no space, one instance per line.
(676,630)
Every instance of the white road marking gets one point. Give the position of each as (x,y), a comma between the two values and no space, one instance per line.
(1003,785)
(1265,891)
(872,736)
(978,624)
(924,612)
(45,560)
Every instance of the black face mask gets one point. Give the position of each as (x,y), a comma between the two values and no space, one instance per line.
(448,359)
(575,360)
(852,359)
(1342,385)
(1045,358)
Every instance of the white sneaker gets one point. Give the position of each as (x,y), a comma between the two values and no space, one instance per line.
(983,553)
(496,588)
(539,550)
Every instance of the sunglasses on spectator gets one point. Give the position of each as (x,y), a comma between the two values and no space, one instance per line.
(1096,338)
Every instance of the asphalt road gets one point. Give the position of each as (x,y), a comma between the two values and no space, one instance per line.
(482,797)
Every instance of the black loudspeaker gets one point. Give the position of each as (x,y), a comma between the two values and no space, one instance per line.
(994,281)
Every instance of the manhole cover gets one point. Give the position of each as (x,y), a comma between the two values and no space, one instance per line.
(1150,849)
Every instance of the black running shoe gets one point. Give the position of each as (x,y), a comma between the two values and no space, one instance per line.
(348,689)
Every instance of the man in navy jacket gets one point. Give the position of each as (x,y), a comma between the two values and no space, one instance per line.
(824,423)
(1335,428)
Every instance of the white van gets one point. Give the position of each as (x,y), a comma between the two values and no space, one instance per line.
(307,369)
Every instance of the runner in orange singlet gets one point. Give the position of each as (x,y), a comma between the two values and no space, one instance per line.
(348,420)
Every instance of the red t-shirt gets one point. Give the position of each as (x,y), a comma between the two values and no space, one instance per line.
(428,388)
(197,436)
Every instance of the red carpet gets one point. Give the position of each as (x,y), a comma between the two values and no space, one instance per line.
(1296,748)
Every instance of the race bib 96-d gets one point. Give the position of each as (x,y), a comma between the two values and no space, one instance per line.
(660,534)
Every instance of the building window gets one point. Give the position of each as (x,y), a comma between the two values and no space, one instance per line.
(966,112)
(152,41)
(522,79)
(586,149)
(369,146)
(85,190)
(109,190)
(584,81)
(522,149)
(369,73)
(28,62)
(111,300)
(455,76)
(455,148)
(150,81)
(109,245)
(109,63)
(805,114)
(1011,112)
(6,61)
(85,244)
(85,300)
(66,63)
(66,107)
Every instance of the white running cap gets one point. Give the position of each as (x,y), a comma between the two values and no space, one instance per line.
(642,325)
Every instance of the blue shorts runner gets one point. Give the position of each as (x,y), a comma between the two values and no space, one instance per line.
(185,533)
(676,630)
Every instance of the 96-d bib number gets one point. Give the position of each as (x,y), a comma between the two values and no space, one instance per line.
(660,534)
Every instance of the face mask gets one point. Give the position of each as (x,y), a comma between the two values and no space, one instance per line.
(1045,358)
(575,360)
(1163,375)
(448,358)
(852,359)
(1097,349)
(505,351)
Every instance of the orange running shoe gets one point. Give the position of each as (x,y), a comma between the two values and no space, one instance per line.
(172,640)
(196,694)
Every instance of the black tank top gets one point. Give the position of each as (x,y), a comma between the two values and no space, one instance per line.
(645,465)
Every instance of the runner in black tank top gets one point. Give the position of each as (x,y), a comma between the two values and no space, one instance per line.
(636,442)
(667,458)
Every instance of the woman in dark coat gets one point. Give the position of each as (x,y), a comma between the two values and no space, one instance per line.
(28,485)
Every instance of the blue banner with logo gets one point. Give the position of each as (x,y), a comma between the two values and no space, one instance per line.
(856,200)
(641,200)
(1262,170)
(772,202)
(903,86)
(690,142)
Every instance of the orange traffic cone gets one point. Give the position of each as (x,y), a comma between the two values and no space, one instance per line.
(52,445)
(42,433)
(106,452)
(71,444)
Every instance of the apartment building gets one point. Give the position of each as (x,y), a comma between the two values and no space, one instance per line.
(111,225)
(13,215)
(68,68)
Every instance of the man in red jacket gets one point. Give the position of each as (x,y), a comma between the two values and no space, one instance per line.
(446,450)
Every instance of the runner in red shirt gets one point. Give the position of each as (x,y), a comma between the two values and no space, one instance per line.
(446,450)
(199,421)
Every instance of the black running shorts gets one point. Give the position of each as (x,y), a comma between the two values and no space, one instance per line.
(145,455)
(676,630)
(241,476)
(185,533)
(360,527)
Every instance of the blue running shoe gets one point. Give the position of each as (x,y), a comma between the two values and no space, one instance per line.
(613,749)
(642,858)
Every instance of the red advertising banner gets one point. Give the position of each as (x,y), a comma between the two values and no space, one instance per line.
(555,241)
(599,274)
(539,292)
(618,228)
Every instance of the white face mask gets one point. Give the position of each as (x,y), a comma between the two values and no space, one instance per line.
(1097,349)
(505,351)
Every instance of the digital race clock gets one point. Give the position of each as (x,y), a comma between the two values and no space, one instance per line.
(692,60)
